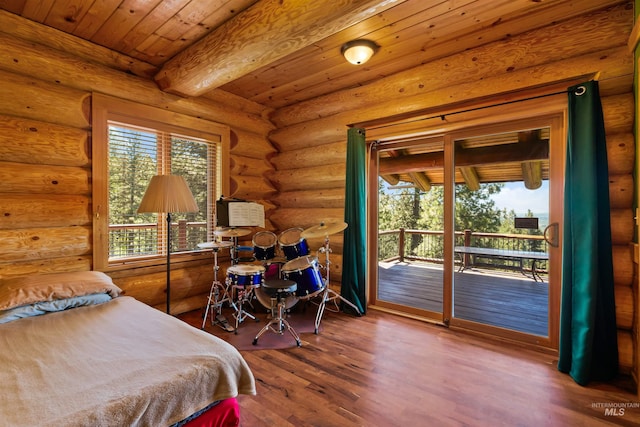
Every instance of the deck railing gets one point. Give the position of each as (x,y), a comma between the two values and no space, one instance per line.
(401,244)
(142,239)
(426,245)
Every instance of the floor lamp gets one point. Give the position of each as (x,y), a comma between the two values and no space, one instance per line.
(170,194)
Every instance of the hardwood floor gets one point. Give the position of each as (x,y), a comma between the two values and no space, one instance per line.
(385,370)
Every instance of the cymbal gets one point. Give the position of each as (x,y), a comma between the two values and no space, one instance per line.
(324,229)
(232,232)
(212,245)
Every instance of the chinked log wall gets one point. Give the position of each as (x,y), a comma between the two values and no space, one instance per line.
(45,156)
(311,135)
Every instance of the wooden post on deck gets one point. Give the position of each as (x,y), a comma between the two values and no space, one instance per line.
(467,242)
(401,244)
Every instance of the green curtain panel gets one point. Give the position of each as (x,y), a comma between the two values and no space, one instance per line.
(355,211)
(588,333)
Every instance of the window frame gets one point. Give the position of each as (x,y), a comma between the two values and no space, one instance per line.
(106,108)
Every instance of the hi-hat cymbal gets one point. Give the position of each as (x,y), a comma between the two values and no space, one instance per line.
(212,245)
(232,232)
(324,229)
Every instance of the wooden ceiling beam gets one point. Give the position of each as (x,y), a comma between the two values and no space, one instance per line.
(392,179)
(538,150)
(420,179)
(471,178)
(531,170)
(267,31)
(532,174)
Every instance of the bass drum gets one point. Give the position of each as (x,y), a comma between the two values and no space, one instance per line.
(273,268)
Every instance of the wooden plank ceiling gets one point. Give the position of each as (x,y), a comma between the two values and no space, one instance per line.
(282,52)
(410,32)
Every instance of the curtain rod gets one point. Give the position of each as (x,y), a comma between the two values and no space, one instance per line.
(443,116)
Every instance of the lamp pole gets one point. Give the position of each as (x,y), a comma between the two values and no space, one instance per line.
(168,262)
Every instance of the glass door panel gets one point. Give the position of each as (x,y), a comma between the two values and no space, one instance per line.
(501,210)
(410,227)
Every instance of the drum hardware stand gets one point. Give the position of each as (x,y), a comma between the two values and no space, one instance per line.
(234,251)
(214,303)
(233,233)
(328,291)
(278,313)
(244,294)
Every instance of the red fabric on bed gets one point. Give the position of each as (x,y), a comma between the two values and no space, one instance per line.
(224,414)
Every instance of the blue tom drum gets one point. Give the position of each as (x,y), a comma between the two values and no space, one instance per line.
(292,244)
(264,245)
(304,271)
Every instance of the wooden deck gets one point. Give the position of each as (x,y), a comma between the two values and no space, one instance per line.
(506,300)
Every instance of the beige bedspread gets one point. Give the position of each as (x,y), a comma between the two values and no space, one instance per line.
(120,363)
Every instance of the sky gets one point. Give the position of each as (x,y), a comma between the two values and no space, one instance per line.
(515,196)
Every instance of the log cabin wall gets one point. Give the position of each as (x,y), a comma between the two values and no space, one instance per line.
(45,156)
(45,164)
(311,135)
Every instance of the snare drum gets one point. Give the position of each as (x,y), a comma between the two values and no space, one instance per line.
(304,271)
(264,245)
(293,246)
(245,275)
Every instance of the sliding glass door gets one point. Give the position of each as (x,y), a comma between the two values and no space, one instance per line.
(467,227)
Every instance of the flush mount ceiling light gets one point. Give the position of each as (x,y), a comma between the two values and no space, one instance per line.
(359,51)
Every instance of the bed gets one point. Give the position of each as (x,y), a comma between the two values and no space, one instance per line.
(74,351)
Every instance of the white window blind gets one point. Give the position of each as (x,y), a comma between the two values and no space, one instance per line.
(138,153)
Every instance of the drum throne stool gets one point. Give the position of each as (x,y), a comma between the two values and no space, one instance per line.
(278,290)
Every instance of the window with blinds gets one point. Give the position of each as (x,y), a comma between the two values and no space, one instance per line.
(138,153)
(131,143)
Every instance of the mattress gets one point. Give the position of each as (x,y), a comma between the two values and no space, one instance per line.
(115,363)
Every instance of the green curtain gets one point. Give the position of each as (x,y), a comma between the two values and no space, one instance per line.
(355,211)
(588,334)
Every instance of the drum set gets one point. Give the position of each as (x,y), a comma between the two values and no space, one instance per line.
(280,272)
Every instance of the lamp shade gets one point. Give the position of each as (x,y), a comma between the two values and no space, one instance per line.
(168,193)
(358,52)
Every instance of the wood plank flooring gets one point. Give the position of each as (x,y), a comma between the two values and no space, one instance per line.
(382,370)
(510,300)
